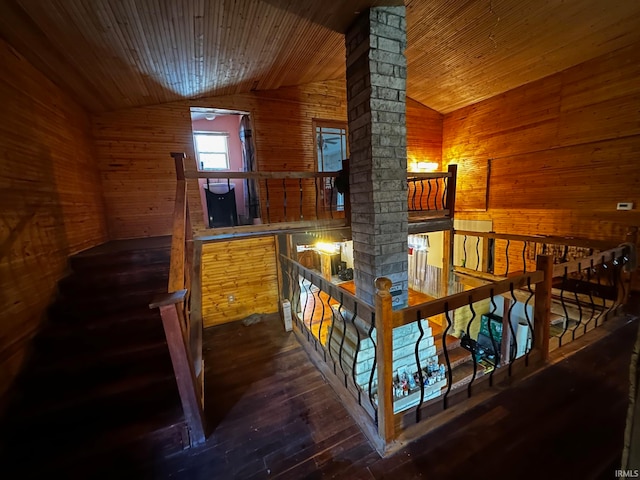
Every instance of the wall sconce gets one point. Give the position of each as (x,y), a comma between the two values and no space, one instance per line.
(426,166)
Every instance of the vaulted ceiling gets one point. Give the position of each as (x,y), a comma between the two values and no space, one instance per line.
(113,54)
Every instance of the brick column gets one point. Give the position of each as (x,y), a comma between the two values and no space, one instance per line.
(376,91)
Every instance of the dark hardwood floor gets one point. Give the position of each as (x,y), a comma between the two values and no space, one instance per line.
(273,416)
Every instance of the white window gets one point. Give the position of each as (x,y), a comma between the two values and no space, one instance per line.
(212,150)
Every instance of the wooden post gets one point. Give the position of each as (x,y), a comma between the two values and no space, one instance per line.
(542,306)
(451,190)
(179,157)
(182,365)
(384,345)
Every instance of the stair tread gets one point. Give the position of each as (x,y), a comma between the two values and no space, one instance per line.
(457,356)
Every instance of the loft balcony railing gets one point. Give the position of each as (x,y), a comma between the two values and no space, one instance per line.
(307,199)
(397,370)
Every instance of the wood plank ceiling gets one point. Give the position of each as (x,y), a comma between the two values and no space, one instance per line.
(114,54)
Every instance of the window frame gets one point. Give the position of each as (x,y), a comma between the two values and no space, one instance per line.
(337,202)
(225,135)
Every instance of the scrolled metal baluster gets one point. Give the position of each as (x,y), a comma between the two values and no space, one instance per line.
(314,293)
(307,291)
(464,251)
(529,324)
(324,350)
(513,351)
(355,355)
(446,356)
(422,195)
(575,294)
(593,304)
(344,336)
(301,198)
(610,278)
(413,197)
(435,198)
(477,253)
(315,183)
(496,347)
(506,251)
(331,329)
(374,404)
(444,193)
(266,187)
(417,354)
(565,252)
(524,257)
(473,356)
(564,307)
(297,291)
(332,183)
(598,270)
(428,193)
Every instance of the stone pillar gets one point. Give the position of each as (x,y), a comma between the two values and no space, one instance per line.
(376,91)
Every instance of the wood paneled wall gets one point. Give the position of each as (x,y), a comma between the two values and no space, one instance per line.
(243,269)
(564,150)
(133,147)
(51,197)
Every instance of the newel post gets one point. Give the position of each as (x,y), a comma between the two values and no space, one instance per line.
(384,341)
(542,306)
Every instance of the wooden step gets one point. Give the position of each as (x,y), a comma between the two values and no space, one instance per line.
(144,251)
(457,356)
(463,374)
(113,277)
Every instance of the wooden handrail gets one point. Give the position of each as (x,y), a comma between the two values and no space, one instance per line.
(435,307)
(260,175)
(575,242)
(177,267)
(429,175)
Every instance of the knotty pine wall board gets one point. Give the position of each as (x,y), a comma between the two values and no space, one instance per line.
(51,197)
(133,149)
(564,151)
(243,268)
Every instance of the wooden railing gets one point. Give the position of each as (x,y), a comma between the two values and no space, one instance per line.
(183,330)
(320,199)
(396,370)
(588,285)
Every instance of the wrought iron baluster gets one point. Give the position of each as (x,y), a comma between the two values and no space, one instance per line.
(527,348)
(475,347)
(524,257)
(422,195)
(599,271)
(266,187)
(413,197)
(513,351)
(506,251)
(464,251)
(435,198)
(428,193)
(374,404)
(322,319)
(496,347)
(446,356)
(575,294)
(417,353)
(331,329)
(563,287)
(355,355)
(444,192)
(492,250)
(477,253)
(344,335)
(589,270)
(315,184)
(314,292)
(332,185)
(307,291)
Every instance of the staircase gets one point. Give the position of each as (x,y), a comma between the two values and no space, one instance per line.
(100,383)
